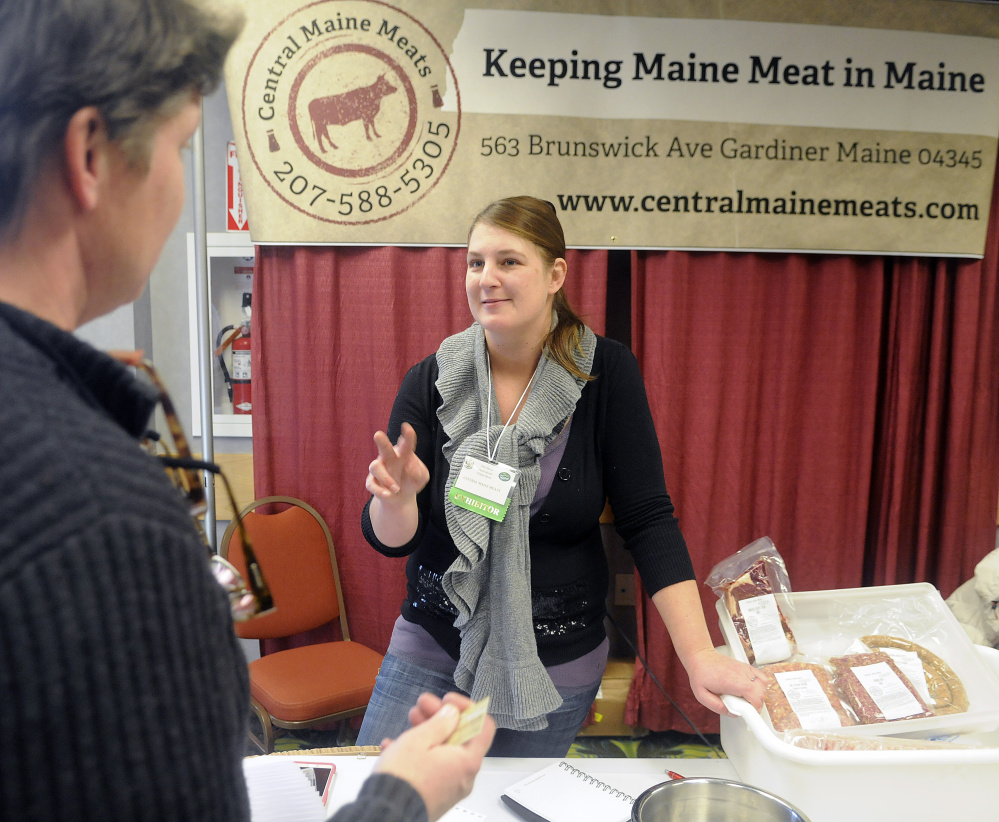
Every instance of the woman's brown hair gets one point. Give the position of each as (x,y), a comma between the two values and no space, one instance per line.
(536,221)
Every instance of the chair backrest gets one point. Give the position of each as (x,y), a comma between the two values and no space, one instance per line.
(295,550)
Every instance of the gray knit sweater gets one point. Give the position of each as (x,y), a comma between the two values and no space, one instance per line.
(123,691)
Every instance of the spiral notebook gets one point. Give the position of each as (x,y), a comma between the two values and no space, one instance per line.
(562,793)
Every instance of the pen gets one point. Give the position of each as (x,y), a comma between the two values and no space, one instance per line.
(673,774)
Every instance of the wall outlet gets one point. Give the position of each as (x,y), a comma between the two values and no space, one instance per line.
(624,589)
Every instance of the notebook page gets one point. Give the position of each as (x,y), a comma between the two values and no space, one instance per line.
(280,792)
(561,793)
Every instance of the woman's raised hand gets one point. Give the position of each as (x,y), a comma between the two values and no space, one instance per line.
(397,474)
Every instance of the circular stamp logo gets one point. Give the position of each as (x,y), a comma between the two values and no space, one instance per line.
(343,111)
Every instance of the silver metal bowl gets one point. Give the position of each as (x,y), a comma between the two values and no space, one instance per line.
(703,799)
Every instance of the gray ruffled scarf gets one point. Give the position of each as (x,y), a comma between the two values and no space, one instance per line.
(490,581)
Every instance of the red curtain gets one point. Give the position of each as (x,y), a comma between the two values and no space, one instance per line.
(335,330)
(933,508)
(844,406)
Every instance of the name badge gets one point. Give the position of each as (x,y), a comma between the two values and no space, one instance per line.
(484,487)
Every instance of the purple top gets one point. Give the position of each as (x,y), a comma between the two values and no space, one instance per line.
(414,643)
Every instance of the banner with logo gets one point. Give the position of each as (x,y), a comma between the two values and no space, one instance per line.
(392,123)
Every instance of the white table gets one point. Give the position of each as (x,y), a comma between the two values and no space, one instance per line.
(629,775)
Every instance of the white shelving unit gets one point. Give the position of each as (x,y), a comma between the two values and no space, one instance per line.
(230,266)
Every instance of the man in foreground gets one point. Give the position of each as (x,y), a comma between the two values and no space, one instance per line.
(123,691)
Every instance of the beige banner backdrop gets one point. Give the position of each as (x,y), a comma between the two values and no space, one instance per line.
(798,126)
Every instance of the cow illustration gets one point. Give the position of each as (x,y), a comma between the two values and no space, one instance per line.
(340,109)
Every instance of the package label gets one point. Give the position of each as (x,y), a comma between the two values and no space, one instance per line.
(889,693)
(766,633)
(911,665)
(808,701)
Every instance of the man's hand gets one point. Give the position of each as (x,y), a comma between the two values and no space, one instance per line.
(442,774)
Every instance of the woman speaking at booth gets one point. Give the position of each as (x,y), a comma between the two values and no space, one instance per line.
(502,449)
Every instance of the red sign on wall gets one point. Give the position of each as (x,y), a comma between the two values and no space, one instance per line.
(235,204)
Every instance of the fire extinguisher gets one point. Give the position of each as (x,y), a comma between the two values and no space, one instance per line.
(242,401)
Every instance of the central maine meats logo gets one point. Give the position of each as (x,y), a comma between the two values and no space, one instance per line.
(343,111)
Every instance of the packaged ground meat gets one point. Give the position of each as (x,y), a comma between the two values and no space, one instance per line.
(825,741)
(802,695)
(876,689)
(753,584)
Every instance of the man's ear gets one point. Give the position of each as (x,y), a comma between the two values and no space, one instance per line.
(85,151)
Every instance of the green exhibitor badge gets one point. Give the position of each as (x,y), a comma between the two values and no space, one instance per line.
(478,505)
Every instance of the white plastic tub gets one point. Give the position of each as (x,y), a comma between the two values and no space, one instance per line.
(865,786)
(879,786)
(826,622)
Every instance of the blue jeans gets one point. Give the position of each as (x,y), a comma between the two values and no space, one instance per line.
(399,683)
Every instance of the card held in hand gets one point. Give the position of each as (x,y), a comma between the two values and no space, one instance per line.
(470,722)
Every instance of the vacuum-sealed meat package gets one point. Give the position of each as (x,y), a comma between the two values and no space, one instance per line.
(832,741)
(802,695)
(876,689)
(753,584)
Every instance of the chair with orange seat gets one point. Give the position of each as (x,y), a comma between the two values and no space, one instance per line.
(314,685)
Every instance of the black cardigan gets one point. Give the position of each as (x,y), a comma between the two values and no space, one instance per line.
(612,454)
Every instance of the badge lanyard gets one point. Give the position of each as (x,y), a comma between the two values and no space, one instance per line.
(484,486)
(491,452)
